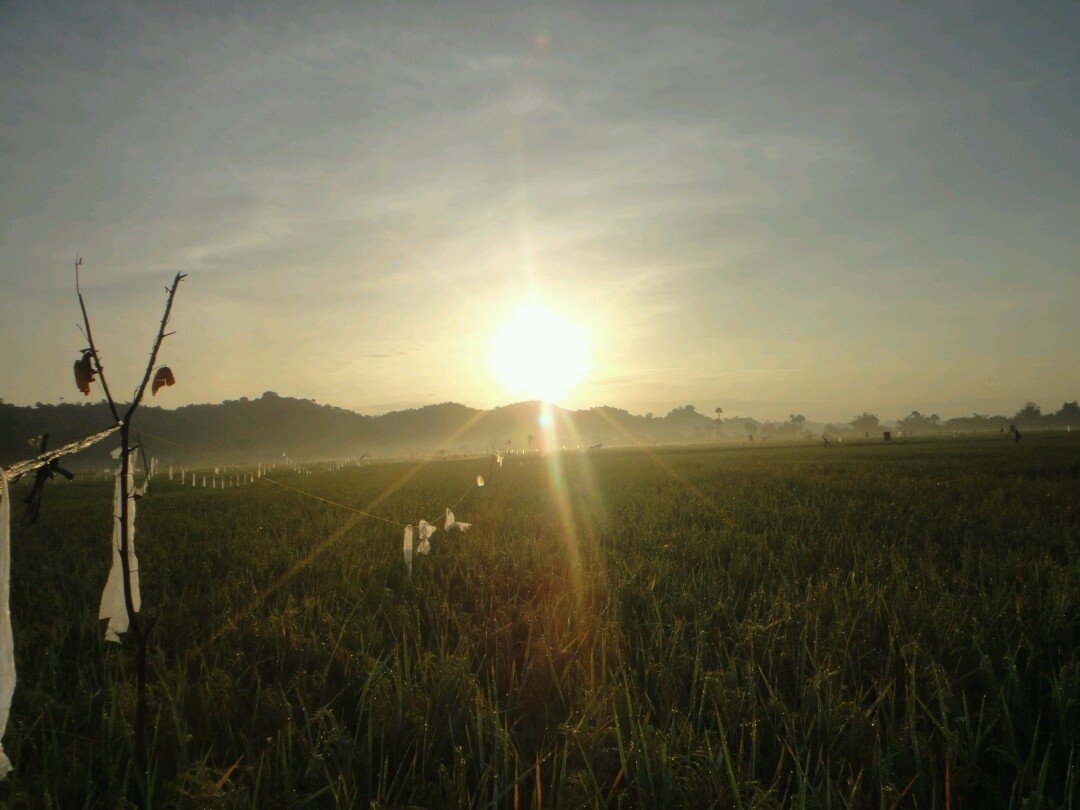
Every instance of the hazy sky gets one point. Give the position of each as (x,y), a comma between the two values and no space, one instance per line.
(769,207)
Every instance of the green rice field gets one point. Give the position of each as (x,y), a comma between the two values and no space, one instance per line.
(862,625)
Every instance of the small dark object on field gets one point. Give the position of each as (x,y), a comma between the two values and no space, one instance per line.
(825,439)
(888,435)
(1016,436)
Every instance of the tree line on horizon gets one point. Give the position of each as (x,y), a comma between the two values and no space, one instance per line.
(265,428)
(1030,417)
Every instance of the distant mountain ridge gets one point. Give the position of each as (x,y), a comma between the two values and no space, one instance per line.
(266,428)
(263,429)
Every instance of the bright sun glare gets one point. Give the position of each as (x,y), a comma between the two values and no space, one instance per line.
(539,354)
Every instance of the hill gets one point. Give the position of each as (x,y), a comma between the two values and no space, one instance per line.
(263,429)
(266,428)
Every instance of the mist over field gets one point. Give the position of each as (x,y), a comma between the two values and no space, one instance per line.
(265,429)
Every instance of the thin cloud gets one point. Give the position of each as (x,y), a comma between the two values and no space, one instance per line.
(821,205)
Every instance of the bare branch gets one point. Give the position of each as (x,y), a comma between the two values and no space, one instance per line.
(161,335)
(93,347)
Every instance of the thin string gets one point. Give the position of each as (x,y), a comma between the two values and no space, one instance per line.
(463,496)
(200,648)
(304,491)
(333,503)
(262,596)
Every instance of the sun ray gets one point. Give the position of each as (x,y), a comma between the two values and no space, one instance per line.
(322,547)
(710,503)
(561,494)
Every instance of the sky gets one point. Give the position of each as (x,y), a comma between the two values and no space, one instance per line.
(822,208)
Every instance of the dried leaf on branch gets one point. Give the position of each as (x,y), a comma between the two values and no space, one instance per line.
(84,371)
(162,377)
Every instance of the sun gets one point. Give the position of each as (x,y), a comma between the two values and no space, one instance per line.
(539,354)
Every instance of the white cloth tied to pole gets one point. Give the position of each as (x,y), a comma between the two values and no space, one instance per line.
(455,524)
(113,606)
(7,645)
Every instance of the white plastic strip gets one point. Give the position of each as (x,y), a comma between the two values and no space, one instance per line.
(7,645)
(425,530)
(113,606)
(455,524)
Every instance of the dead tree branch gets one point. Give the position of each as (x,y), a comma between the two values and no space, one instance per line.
(93,347)
(161,335)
